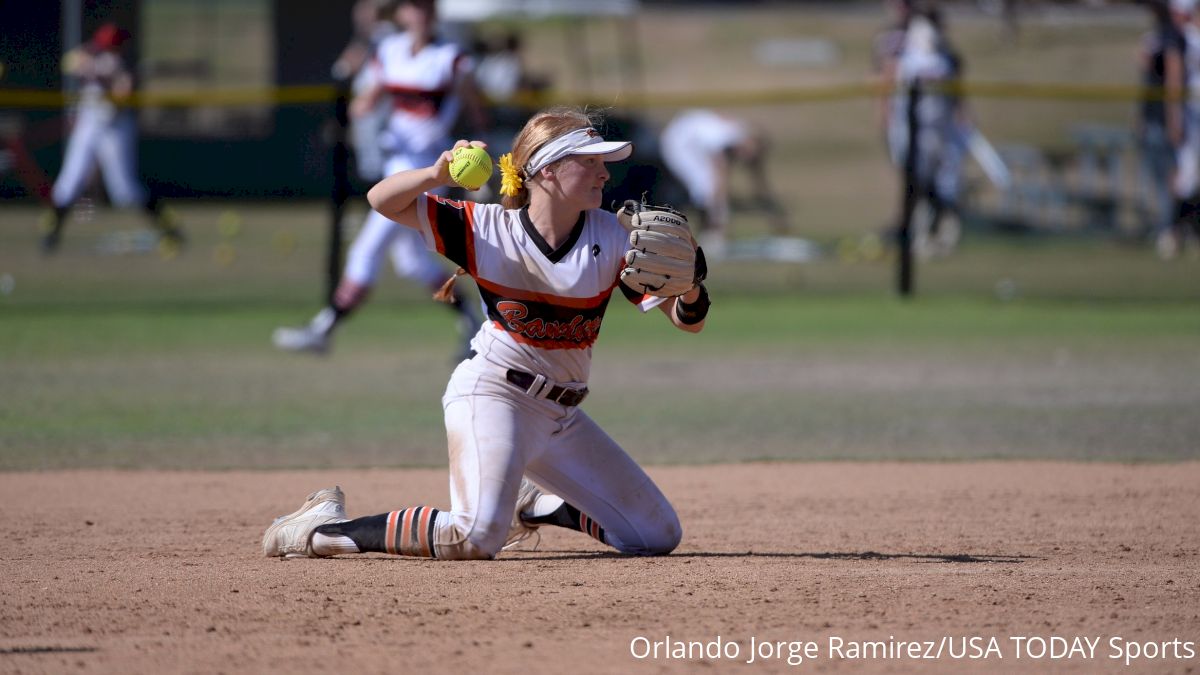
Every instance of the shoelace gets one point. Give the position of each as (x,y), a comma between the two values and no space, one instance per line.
(517,539)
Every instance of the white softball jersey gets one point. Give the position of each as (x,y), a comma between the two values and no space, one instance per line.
(422,86)
(544,305)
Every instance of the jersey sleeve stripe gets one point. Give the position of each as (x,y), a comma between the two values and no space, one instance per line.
(448,226)
(469,235)
(533,296)
(429,229)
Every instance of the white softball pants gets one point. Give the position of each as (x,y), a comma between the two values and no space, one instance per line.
(496,433)
(108,136)
(410,258)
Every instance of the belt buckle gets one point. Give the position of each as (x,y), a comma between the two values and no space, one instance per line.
(570,397)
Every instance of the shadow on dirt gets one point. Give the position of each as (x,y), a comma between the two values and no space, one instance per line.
(830,555)
(45,650)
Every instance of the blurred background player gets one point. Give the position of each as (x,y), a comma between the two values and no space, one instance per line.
(105,134)
(928,58)
(1184,100)
(1188,179)
(1160,122)
(701,148)
(425,82)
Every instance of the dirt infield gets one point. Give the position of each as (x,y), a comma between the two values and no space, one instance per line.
(161,572)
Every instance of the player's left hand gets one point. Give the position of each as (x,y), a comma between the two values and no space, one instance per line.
(663,259)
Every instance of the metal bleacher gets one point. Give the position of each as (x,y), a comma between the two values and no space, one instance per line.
(1093,185)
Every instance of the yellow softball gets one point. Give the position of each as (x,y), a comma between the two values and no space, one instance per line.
(471,168)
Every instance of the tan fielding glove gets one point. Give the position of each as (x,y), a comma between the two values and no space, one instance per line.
(663,259)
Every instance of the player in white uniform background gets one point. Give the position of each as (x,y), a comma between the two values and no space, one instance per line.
(547,263)
(104,134)
(1186,183)
(701,148)
(942,126)
(427,82)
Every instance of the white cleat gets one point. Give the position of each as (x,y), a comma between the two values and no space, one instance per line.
(519,530)
(303,339)
(290,536)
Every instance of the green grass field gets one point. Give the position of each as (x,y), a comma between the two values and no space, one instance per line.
(1039,346)
(133,361)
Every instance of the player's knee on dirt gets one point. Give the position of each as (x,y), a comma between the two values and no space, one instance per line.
(660,539)
(668,538)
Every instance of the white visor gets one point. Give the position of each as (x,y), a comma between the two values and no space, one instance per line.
(578,142)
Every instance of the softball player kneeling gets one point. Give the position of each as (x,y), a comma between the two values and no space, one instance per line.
(546,263)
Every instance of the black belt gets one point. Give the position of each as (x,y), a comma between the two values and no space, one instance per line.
(561,395)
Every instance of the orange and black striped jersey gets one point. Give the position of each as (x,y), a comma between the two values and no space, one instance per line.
(545,304)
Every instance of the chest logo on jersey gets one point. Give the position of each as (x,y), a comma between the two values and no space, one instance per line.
(577,329)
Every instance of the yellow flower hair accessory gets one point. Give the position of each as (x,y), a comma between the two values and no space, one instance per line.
(510,178)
